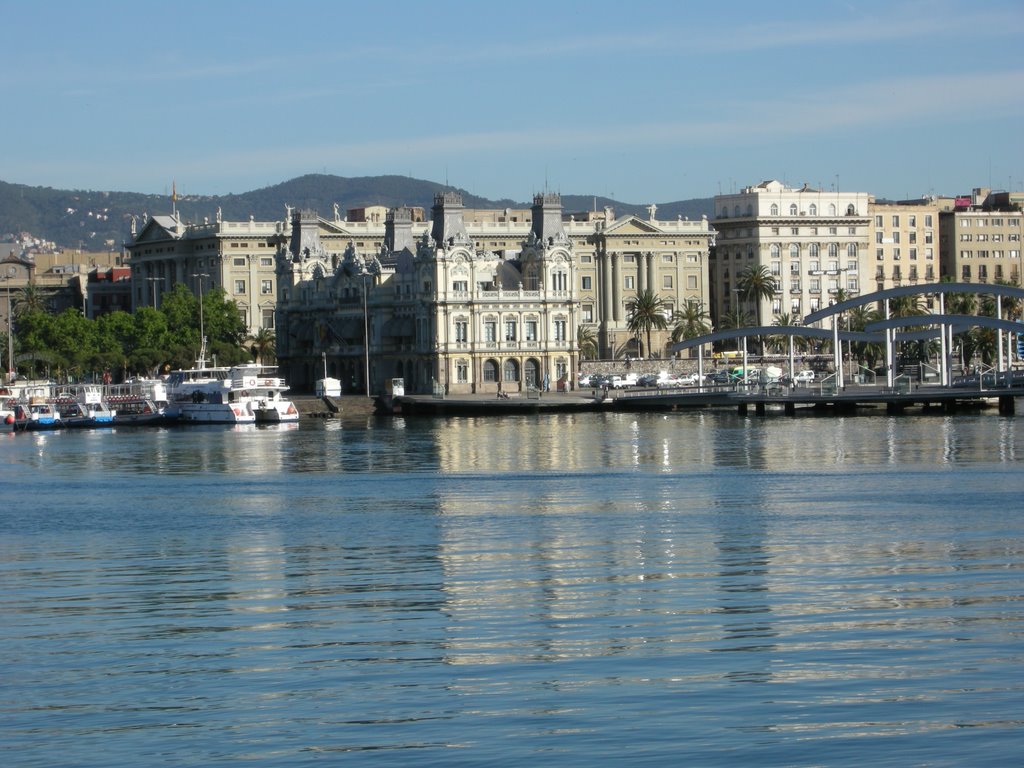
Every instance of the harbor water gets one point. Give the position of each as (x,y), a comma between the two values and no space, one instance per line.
(548,590)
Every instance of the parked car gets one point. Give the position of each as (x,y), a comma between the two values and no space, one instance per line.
(718,377)
(648,380)
(615,381)
(804,377)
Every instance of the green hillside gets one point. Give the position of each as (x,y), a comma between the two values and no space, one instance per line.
(98,221)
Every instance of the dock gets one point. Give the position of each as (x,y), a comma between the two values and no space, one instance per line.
(822,398)
(760,400)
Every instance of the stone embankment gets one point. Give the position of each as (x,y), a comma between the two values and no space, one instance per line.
(310,406)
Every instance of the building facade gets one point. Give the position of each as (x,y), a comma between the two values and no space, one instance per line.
(237,256)
(980,238)
(905,244)
(618,258)
(814,243)
(437,309)
(612,260)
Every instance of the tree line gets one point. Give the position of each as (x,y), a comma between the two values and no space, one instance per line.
(71,347)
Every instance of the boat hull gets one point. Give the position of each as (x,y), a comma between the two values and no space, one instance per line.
(215,413)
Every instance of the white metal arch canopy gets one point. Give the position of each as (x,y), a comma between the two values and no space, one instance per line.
(946,323)
(882,331)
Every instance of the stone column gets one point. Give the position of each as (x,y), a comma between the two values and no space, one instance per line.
(606,288)
(641,272)
(649,258)
(617,287)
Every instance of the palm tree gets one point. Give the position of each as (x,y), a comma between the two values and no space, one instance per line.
(735,319)
(689,322)
(31,298)
(910,306)
(586,342)
(646,312)
(1010,305)
(263,345)
(869,352)
(781,341)
(756,283)
(907,306)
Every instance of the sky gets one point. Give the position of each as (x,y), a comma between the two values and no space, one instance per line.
(641,102)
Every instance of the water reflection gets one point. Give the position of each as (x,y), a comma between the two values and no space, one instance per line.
(565,588)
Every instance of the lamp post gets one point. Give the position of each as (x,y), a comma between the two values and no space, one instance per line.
(10,334)
(366,335)
(736,311)
(201,361)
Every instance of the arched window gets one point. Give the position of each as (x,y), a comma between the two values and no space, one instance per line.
(813,210)
(794,251)
(851,250)
(490,370)
(510,371)
(774,210)
(814,251)
(831,209)
(736,211)
(833,251)
(750,210)
(774,250)
(792,209)
(851,210)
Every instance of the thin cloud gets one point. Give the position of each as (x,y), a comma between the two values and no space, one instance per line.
(889,102)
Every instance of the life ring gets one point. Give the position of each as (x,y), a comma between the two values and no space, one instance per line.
(250,382)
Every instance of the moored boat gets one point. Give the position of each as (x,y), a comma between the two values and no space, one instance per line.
(261,387)
(83,408)
(205,395)
(35,415)
(138,411)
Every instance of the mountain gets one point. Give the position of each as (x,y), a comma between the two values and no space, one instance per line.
(96,221)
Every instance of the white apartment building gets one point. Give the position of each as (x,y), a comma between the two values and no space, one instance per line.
(814,242)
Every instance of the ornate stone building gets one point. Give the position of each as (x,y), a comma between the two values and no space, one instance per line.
(438,310)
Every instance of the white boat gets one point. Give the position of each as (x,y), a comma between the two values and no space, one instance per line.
(261,387)
(205,395)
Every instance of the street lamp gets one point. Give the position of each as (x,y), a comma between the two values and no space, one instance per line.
(10,334)
(201,361)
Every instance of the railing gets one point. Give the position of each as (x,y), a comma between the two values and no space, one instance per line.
(865,376)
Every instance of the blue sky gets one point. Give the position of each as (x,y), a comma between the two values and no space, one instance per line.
(656,101)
